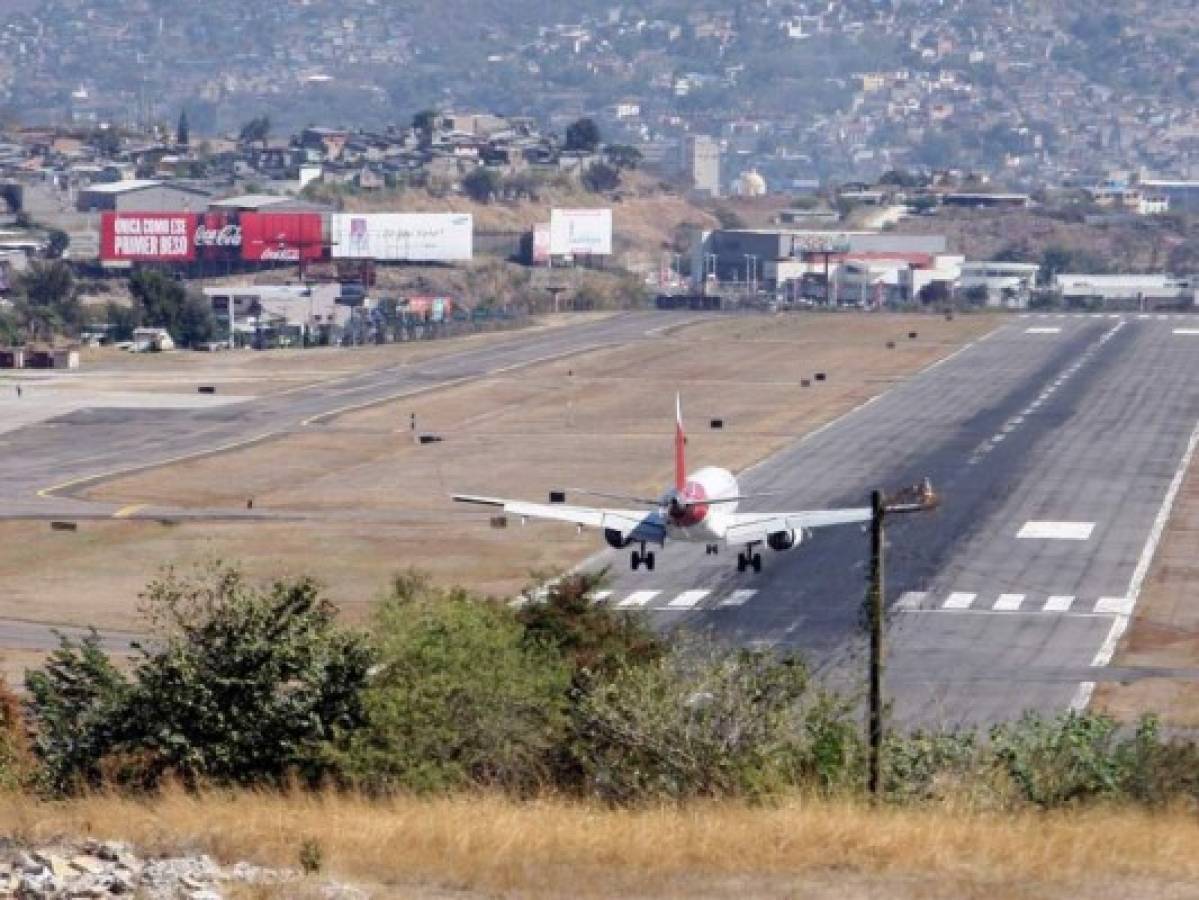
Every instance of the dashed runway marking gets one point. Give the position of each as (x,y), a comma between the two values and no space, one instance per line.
(638,599)
(1042,330)
(972,602)
(738,598)
(687,599)
(959,601)
(1008,602)
(1058,603)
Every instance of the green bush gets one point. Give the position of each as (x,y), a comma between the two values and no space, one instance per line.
(461,695)
(239,684)
(700,722)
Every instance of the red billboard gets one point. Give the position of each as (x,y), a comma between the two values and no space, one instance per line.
(147,237)
(217,237)
(282,237)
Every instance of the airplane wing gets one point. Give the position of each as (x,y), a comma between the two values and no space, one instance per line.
(745,528)
(644,525)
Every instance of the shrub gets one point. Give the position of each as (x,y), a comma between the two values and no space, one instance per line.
(700,722)
(240,685)
(461,696)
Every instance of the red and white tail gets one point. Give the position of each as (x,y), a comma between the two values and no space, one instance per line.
(680,445)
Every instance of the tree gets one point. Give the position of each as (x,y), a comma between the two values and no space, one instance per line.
(257,130)
(241,685)
(47,298)
(460,697)
(162,302)
(583,135)
(424,123)
(481,184)
(182,131)
(622,156)
(56,243)
(599,177)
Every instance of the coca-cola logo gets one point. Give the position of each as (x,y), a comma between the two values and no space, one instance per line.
(280,253)
(225,236)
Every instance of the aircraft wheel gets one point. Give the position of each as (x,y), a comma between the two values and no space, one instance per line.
(649,561)
(635,561)
(741,563)
(757,562)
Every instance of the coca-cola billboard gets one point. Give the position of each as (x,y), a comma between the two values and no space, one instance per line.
(282,237)
(147,237)
(218,237)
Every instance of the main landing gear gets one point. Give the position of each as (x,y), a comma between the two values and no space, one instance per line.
(749,558)
(642,556)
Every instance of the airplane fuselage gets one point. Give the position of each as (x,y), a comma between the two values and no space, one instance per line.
(696,521)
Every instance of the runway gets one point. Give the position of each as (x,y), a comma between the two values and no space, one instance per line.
(1054,443)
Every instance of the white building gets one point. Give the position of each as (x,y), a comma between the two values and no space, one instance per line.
(1008,284)
(1133,291)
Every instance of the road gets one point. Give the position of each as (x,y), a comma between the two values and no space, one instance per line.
(1055,443)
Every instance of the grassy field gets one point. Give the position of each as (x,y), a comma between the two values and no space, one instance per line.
(379,503)
(480,847)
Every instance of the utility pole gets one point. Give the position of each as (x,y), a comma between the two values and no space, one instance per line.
(878,512)
(918,498)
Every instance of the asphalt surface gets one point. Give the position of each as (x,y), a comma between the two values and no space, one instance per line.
(1079,422)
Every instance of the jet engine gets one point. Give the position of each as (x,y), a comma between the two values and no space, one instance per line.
(783,540)
(616,538)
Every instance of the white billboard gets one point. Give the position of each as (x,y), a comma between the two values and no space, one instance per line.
(411,237)
(580,232)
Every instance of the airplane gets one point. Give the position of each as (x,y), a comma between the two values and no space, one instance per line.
(699,508)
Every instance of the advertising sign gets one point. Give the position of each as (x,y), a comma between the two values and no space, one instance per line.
(147,237)
(281,237)
(217,237)
(585,232)
(413,237)
(431,309)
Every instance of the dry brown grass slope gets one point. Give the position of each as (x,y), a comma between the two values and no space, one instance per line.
(495,847)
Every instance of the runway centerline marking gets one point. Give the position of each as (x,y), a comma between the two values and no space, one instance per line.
(1058,603)
(1191,331)
(1042,330)
(1056,531)
(911,600)
(126,511)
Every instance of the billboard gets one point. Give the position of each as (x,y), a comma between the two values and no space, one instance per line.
(415,237)
(217,237)
(586,232)
(281,237)
(147,237)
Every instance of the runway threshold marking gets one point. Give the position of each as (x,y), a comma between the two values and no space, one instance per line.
(638,599)
(738,598)
(687,599)
(1056,531)
(1008,602)
(126,511)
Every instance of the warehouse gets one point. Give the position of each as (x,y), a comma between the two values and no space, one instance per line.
(141,196)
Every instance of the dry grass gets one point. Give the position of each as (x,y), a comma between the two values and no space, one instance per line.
(481,846)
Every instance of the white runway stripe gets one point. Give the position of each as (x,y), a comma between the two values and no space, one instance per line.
(601,596)
(1118,606)
(687,599)
(1058,603)
(738,598)
(1008,602)
(638,599)
(959,601)
(911,600)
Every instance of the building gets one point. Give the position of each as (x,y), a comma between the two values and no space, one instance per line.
(287,314)
(1007,284)
(1182,196)
(1125,291)
(773,256)
(702,164)
(141,196)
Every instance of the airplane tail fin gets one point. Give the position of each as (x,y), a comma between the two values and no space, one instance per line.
(680,445)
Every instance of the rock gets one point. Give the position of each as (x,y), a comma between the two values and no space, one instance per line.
(26,863)
(204,895)
(88,864)
(55,863)
(123,882)
(38,886)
